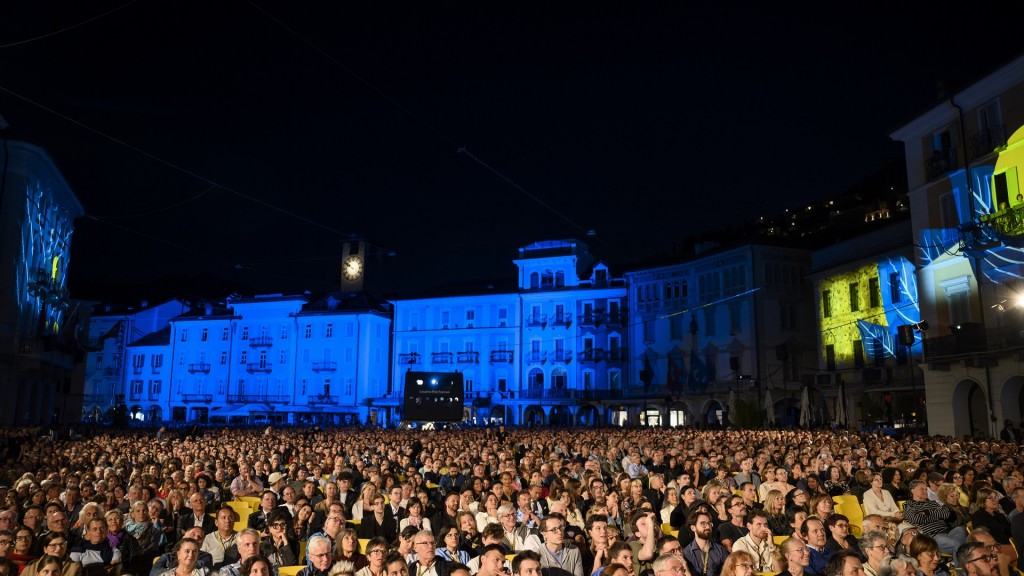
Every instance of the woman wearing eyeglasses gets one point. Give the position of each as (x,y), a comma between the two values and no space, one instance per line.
(875,547)
(281,548)
(990,515)
(53,545)
(794,556)
(376,551)
(739,563)
(925,550)
(22,552)
(955,478)
(447,546)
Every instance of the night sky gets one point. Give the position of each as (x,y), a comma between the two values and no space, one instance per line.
(248,140)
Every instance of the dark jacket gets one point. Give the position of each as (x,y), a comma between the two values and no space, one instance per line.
(187,521)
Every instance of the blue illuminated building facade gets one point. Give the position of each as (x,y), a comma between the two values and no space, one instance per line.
(271,358)
(40,344)
(551,351)
(963,164)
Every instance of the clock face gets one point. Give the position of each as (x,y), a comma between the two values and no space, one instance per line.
(352,268)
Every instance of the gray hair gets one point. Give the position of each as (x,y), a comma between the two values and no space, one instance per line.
(316,540)
(869,538)
(896,565)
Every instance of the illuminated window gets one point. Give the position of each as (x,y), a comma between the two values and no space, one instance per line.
(858,353)
(874,292)
(895,288)
(958,292)
(826,303)
(854,297)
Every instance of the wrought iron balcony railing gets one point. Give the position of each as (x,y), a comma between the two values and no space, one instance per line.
(325,366)
(261,341)
(258,367)
(501,356)
(469,357)
(441,357)
(188,398)
(257,399)
(203,367)
(410,358)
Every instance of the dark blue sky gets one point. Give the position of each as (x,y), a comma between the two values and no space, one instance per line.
(256,136)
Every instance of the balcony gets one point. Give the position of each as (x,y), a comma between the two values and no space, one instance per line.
(616,319)
(986,142)
(563,356)
(204,398)
(941,163)
(537,321)
(322,400)
(501,356)
(594,319)
(548,394)
(410,358)
(536,357)
(1008,222)
(325,366)
(258,367)
(469,357)
(975,345)
(441,358)
(616,355)
(563,319)
(257,399)
(592,355)
(261,342)
(203,367)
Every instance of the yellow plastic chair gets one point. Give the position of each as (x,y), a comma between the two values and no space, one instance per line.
(302,552)
(851,508)
(289,570)
(779,539)
(252,501)
(362,545)
(666,528)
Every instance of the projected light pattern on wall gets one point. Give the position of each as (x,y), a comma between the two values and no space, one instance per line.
(862,308)
(41,286)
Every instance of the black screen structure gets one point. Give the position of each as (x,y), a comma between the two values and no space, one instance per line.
(433,397)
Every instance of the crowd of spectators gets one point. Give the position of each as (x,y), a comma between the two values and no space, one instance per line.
(491,501)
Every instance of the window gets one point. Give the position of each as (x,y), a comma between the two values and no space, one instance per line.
(223,358)
(958,292)
(445,318)
(854,297)
(502,316)
(245,333)
(205,335)
(329,330)
(155,386)
(895,288)
(588,380)
(470,317)
(184,334)
(787,316)
(308,331)
(826,303)
(244,357)
(874,292)
(136,389)
(157,360)
(284,332)
(858,353)
(948,214)
(284,357)
(830,357)
(138,361)
(224,335)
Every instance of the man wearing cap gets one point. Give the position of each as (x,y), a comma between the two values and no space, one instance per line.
(276,483)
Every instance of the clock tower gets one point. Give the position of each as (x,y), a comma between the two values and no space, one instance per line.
(353,265)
